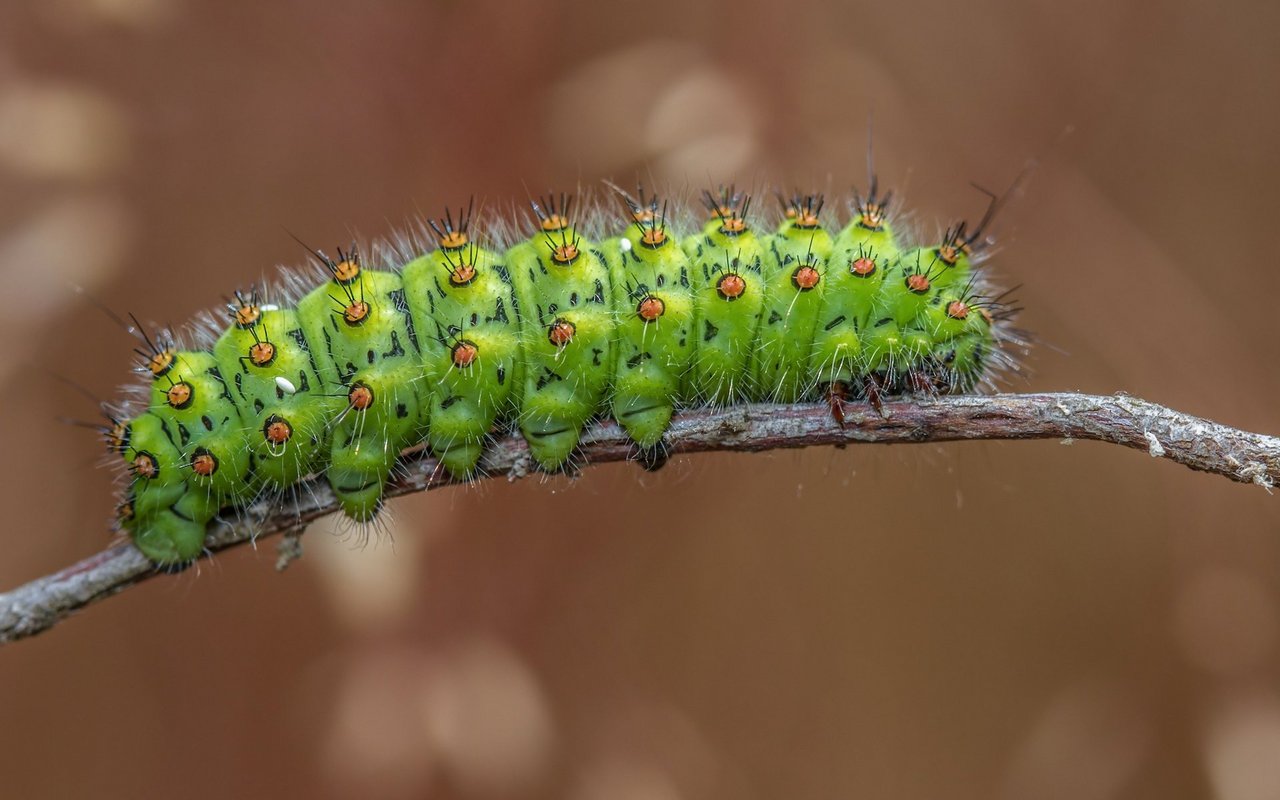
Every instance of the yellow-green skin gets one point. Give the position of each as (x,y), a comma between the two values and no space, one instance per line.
(208,423)
(887,340)
(379,353)
(173,508)
(563,385)
(779,363)
(725,328)
(288,389)
(960,347)
(653,355)
(848,300)
(773,342)
(167,513)
(925,326)
(465,402)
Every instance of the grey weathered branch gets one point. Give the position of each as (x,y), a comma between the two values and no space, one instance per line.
(1162,432)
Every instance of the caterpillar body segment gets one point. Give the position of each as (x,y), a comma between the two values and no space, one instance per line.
(170,528)
(193,401)
(965,342)
(861,259)
(163,511)
(797,257)
(269,369)
(363,337)
(384,415)
(965,358)
(564,292)
(186,456)
(729,284)
(655,323)
(456,340)
(469,335)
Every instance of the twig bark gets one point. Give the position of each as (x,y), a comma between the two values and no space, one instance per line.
(1160,431)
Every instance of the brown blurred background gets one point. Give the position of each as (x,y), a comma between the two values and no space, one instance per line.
(1006,620)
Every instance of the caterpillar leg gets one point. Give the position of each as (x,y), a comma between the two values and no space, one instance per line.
(645,417)
(652,459)
(382,417)
(921,381)
(358,475)
(164,513)
(552,442)
(458,457)
(837,396)
(567,388)
(874,391)
(172,534)
(468,394)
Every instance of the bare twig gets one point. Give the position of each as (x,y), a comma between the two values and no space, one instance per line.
(1162,432)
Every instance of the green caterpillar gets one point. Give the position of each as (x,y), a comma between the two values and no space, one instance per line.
(450,342)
